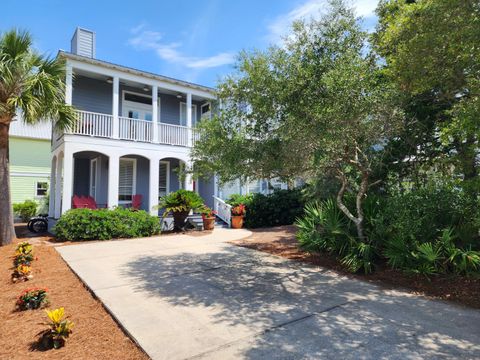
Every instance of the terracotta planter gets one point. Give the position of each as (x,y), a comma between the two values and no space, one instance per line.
(208,223)
(179,219)
(237,221)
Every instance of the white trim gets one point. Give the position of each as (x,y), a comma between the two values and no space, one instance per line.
(194,114)
(134,180)
(20,174)
(36,189)
(167,188)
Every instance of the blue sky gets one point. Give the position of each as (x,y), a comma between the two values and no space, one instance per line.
(190,40)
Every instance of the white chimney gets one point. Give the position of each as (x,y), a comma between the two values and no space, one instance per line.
(83,43)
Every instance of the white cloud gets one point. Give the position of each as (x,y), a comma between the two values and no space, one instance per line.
(280,26)
(145,39)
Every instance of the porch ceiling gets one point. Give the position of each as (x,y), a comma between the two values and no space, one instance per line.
(136,85)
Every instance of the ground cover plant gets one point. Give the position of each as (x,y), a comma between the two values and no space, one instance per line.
(32,298)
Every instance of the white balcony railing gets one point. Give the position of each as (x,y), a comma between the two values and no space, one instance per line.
(102,125)
(173,134)
(223,210)
(135,129)
(93,124)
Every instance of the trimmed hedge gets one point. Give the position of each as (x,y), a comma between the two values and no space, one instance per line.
(104,224)
(281,207)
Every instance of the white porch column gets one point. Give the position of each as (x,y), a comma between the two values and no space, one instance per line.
(155,113)
(52,187)
(68,84)
(113,174)
(189,118)
(58,187)
(188,176)
(67,185)
(115,102)
(153,186)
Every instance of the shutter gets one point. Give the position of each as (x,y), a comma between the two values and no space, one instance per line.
(125,188)
(162,179)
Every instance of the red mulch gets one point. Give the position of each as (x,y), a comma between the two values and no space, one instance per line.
(281,241)
(95,334)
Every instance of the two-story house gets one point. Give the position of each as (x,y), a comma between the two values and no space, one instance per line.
(134,131)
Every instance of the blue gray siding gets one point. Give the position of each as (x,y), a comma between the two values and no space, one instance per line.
(207,190)
(92,95)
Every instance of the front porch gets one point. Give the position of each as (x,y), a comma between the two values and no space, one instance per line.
(114,176)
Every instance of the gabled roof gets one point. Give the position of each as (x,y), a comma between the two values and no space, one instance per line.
(137,72)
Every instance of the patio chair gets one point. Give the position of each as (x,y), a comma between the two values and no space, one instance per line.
(136,201)
(86,202)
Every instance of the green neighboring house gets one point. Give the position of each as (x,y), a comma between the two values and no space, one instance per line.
(30,162)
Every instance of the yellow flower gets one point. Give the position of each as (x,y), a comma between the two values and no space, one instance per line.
(56,315)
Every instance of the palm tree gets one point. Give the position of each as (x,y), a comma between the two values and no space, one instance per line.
(33,85)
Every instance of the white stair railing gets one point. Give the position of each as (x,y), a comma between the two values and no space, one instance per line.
(223,210)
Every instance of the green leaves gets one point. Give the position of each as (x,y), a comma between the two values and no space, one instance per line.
(31,82)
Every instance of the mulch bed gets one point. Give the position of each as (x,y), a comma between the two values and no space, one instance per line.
(281,241)
(95,335)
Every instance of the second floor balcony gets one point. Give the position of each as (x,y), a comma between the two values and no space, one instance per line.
(114,102)
(125,128)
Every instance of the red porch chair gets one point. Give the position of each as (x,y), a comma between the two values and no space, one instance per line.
(136,201)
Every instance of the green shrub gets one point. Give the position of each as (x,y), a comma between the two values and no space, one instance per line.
(281,207)
(422,213)
(104,224)
(428,230)
(428,258)
(25,210)
(324,228)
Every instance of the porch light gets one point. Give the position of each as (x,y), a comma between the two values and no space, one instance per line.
(145,88)
(179,96)
(110,80)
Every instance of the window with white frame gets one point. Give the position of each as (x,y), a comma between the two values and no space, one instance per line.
(126,181)
(205,111)
(41,188)
(163,179)
(183,114)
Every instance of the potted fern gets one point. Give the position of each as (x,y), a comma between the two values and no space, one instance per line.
(179,203)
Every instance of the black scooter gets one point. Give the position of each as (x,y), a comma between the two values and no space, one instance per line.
(38,224)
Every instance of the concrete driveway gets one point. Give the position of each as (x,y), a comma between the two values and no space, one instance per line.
(183,297)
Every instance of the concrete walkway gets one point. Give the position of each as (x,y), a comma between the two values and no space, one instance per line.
(183,297)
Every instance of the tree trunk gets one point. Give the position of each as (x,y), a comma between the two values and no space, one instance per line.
(7,231)
(357,220)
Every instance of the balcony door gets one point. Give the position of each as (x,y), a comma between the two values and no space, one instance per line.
(138,106)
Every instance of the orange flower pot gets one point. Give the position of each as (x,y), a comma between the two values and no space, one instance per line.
(209,223)
(237,221)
